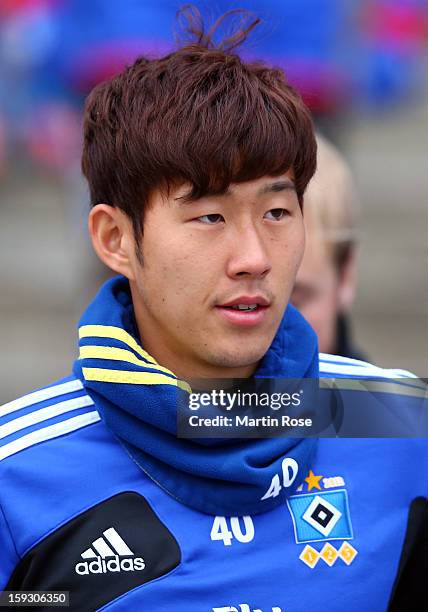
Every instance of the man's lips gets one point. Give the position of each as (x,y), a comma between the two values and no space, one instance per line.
(244,318)
(247,300)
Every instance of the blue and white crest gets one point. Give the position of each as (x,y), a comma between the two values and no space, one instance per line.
(321,516)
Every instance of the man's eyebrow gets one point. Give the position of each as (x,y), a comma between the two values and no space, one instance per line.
(278,186)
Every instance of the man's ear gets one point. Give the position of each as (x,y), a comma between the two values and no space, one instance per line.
(348,281)
(113,238)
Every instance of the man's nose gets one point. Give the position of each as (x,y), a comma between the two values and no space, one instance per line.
(248,255)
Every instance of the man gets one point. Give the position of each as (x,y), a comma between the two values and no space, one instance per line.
(325,283)
(197,164)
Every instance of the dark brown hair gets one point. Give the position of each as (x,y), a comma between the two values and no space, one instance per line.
(199,115)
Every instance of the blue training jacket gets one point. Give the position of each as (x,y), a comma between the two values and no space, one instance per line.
(78,515)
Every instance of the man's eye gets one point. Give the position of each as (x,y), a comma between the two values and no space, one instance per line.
(276,214)
(210,219)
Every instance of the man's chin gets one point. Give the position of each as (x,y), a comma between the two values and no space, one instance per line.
(237,360)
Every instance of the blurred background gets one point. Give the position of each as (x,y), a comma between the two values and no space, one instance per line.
(361,66)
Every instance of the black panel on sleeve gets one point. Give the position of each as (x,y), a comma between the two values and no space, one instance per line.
(104,552)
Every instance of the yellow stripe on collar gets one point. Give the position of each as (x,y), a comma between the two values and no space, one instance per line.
(133,378)
(118,354)
(117,333)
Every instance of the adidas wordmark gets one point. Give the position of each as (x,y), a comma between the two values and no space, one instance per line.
(114,555)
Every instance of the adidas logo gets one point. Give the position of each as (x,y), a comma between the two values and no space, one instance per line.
(110,554)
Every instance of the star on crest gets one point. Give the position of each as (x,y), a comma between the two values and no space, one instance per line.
(313,481)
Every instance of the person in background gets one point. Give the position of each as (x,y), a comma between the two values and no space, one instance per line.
(325,285)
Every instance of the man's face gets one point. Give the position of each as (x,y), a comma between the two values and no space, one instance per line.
(206,261)
(317,292)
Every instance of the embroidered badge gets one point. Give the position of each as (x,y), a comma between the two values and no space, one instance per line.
(347,553)
(321,515)
(329,554)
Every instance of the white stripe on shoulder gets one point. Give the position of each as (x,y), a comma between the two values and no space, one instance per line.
(344,360)
(38,416)
(341,362)
(48,433)
(401,374)
(336,368)
(40,396)
(367,371)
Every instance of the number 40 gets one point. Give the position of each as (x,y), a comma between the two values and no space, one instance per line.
(220,530)
(290,468)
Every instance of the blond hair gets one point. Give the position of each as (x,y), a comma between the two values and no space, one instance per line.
(331,203)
